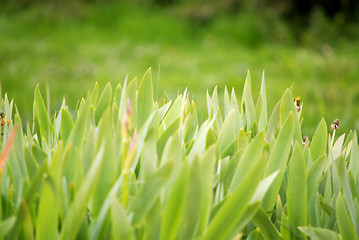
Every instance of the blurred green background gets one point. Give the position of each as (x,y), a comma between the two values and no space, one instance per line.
(189,44)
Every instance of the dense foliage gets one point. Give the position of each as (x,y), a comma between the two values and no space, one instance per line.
(122,166)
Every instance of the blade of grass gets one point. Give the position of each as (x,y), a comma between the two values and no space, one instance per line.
(148,193)
(227,134)
(320,233)
(47,217)
(121,227)
(77,209)
(263,119)
(247,161)
(103,103)
(144,98)
(6,225)
(346,226)
(172,212)
(277,160)
(228,215)
(319,143)
(266,227)
(46,128)
(297,192)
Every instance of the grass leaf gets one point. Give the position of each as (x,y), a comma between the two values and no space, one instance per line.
(144,98)
(297,192)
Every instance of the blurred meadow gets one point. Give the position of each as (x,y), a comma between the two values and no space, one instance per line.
(68,46)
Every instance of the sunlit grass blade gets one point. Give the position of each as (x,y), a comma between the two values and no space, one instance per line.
(273,123)
(347,192)
(144,98)
(47,217)
(77,209)
(103,103)
(66,124)
(319,143)
(6,226)
(45,124)
(320,233)
(346,226)
(266,227)
(108,168)
(297,192)
(228,132)
(121,227)
(207,177)
(277,160)
(200,141)
(354,163)
(314,173)
(286,107)
(148,193)
(247,161)
(263,119)
(161,142)
(172,213)
(192,202)
(249,105)
(225,219)
(27,226)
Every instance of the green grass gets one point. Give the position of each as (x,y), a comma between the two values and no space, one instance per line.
(124,166)
(72,47)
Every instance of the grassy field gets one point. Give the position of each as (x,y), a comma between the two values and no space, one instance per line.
(71,48)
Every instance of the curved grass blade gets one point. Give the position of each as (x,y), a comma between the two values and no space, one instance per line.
(297,192)
(346,226)
(227,135)
(46,128)
(249,158)
(47,217)
(263,119)
(148,193)
(319,143)
(66,124)
(278,160)
(6,226)
(229,214)
(266,227)
(314,173)
(144,98)
(172,212)
(103,103)
(121,227)
(319,233)
(73,219)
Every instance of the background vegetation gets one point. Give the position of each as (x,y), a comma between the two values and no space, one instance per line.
(197,45)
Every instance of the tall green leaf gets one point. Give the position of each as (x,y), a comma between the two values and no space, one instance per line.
(47,218)
(145,98)
(108,168)
(247,161)
(297,192)
(103,103)
(277,160)
(227,216)
(263,119)
(148,193)
(319,143)
(346,226)
(77,209)
(172,212)
(121,227)
(46,128)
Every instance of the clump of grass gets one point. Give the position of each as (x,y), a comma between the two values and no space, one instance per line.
(123,166)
